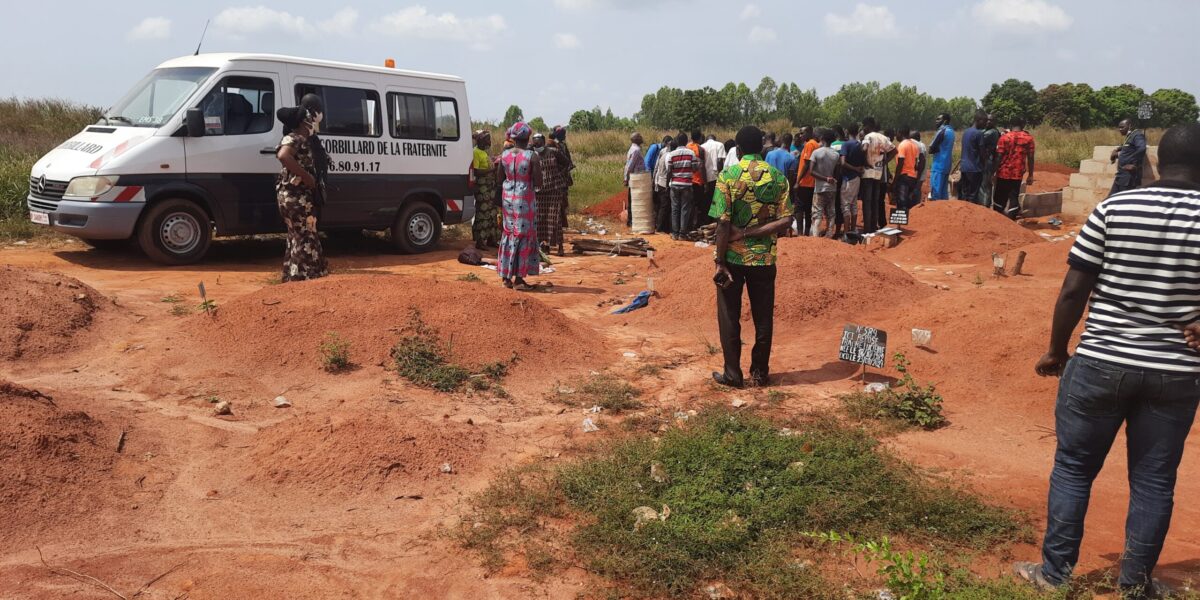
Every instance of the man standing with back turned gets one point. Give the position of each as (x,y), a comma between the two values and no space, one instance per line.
(1135,258)
(941,149)
(752,208)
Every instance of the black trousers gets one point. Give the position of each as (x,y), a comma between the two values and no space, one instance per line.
(1007,200)
(874,217)
(629,207)
(699,205)
(662,210)
(839,219)
(804,208)
(760,286)
(969,186)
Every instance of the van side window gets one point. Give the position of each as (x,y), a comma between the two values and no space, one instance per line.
(348,111)
(239,106)
(420,117)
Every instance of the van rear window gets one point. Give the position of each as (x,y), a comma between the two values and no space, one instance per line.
(348,111)
(421,117)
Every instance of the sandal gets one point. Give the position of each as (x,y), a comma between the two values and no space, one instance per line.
(1031,573)
(508,283)
(523,286)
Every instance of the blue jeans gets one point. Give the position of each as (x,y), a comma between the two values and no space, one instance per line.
(1094,399)
(682,217)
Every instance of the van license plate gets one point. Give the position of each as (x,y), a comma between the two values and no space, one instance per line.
(40,218)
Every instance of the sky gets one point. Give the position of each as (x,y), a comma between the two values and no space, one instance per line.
(552,57)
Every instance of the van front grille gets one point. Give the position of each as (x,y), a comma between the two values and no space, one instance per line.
(46,189)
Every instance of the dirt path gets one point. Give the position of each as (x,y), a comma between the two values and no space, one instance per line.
(343,495)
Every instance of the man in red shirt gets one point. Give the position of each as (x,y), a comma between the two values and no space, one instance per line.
(1014,157)
(805,182)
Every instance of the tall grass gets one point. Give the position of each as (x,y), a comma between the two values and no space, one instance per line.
(29,129)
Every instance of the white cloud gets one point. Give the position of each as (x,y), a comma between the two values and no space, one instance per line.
(866,21)
(752,11)
(341,23)
(576,4)
(241,21)
(150,28)
(621,4)
(418,22)
(1028,14)
(762,35)
(566,41)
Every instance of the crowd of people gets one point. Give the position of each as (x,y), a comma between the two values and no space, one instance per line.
(837,173)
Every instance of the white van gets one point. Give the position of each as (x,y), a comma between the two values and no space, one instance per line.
(189,152)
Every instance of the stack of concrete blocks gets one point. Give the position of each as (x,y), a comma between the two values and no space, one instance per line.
(1095,178)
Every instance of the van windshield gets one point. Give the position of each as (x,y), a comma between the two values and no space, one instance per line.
(157,97)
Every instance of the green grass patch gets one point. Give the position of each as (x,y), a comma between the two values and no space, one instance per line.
(736,494)
(335,353)
(470,278)
(422,358)
(905,404)
(605,390)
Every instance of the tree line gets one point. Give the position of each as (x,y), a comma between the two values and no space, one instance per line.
(1063,105)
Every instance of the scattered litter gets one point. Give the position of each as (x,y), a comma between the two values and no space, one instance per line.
(1055,222)
(719,591)
(659,473)
(20,243)
(545,270)
(566,390)
(640,301)
(280,402)
(223,408)
(629,354)
(788,432)
(446,468)
(950,273)
(589,426)
(643,515)
(702,244)
(944,287)
(490,267)
(884,595)
(681,416)
(797,466)
(875,388)
(595,409)
(738,403)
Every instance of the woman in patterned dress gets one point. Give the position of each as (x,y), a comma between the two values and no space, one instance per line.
(486,228)
(551,194)
(520,173)
(295,190)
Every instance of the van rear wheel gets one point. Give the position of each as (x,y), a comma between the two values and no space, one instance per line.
(417,229)
(175,232)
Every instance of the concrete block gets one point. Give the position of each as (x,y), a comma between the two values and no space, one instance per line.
(1097,167)
(1076,209)
(1102,152)
(884,240)
(1083,181)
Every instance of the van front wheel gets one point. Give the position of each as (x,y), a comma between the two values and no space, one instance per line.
(175,232)
(417,229)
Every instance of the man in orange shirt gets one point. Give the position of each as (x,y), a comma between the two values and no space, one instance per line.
(910,163)
(805,182)
(699,182)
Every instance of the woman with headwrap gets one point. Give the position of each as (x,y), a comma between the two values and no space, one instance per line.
(321,161)
(486,228)
(552,194)
(295,190)
(520,173)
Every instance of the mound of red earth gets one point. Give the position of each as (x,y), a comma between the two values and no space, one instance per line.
(52,462)
(611,207)
(817,279)
(43,314)
(363,452)
(953,231)
(283,326)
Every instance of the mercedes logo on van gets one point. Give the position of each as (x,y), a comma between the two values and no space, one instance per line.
(41,185)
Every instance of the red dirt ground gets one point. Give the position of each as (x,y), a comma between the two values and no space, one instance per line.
(816,279)
(342,495)
(953,231)
(45,313)
(609,208)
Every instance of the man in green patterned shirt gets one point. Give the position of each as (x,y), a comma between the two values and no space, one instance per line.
(752,209)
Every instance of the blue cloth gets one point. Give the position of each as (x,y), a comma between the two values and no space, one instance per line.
(853,151)
(641,301)
(971,161)
(939,185)
(1095,399)
(783,160)
(652,156)
(942,149)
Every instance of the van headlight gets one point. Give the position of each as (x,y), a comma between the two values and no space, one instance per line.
(90,187)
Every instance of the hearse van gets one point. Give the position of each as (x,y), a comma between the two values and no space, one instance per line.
(189,153)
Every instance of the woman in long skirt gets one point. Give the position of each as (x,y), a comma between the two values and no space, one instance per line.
(551,194)
(486,228)
(521,173)
(295,191)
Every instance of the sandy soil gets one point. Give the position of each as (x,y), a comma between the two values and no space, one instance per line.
(346,495)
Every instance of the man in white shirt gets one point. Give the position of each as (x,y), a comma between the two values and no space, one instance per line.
(880,151)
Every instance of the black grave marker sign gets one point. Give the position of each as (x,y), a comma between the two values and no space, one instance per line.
(898,216)
(863,345)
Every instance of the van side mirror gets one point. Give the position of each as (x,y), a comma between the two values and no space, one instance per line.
(194,120)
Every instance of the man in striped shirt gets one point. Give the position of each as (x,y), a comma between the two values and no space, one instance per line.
(1138,259)
(682,165)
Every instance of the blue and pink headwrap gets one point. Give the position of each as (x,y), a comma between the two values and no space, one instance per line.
(519,131)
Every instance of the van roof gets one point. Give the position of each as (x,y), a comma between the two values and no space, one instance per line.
(218,59)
